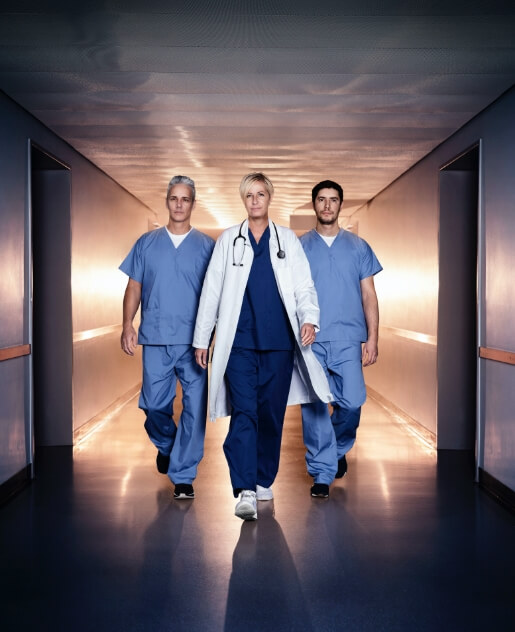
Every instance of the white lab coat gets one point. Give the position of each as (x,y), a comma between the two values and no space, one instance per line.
(220,305)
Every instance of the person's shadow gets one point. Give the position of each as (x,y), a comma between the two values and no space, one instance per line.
(264,589)
(157,595)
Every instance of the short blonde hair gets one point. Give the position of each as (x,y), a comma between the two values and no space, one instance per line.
(252,178)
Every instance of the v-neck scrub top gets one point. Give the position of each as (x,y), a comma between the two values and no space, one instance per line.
(337,271)
(263,324)
(171,281)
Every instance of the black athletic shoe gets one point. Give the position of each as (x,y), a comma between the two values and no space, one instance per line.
(342,467)
(320,490)
(162,462)
(183,490)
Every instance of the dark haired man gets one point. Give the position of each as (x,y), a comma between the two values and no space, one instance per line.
(343,267)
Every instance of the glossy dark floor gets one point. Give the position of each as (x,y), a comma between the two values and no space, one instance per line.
(406,541)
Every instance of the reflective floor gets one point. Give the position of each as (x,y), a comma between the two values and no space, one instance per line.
(406,541)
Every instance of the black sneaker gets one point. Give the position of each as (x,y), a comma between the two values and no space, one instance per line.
(342,467)
(320,490)
(183,490)
(162,462)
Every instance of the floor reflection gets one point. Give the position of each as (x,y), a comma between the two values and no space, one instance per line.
(405,542)
(161,582)
(264,590)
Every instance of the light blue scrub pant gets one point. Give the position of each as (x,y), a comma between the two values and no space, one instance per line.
(341,362)
(184,442)
(258,383)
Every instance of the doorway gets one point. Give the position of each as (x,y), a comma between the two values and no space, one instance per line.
(457,352)
(52,416)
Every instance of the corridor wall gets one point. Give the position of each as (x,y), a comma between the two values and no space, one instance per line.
(105,220)
(402,225)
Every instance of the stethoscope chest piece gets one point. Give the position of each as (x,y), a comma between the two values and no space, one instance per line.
(280,253)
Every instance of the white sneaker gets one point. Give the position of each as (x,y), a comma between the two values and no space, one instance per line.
(264,493)
(246,508)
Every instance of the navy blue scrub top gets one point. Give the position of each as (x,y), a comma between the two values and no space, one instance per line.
(263,324)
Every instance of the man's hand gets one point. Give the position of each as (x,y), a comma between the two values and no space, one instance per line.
(129,340)
(201,357)
(369,353)
(307,334)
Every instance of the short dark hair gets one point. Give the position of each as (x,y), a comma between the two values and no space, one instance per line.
(326,184)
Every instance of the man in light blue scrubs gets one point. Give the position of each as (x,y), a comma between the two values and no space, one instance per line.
(343,267)
(166,269)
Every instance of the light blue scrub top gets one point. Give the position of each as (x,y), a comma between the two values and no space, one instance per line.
(337,271)
(171,281)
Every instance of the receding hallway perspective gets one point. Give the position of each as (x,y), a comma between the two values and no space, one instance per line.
(409,108)
(406,541)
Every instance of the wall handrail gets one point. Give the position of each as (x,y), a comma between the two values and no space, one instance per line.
(498,355)
(8,353)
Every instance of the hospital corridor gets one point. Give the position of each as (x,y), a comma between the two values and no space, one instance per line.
(327,191)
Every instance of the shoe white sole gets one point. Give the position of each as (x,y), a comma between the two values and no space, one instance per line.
(245,511)
(264,493)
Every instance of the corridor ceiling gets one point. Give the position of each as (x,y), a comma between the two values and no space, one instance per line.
(353,90)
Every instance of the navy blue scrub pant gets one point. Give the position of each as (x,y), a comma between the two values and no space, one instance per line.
(258,384)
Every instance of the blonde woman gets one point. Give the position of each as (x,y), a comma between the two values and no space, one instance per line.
(259,294)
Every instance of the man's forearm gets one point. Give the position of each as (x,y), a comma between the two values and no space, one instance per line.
(131,301)
(370,309)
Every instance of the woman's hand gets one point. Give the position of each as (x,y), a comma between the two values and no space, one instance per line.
(307,334)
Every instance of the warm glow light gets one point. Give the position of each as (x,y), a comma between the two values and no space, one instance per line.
(189,150)
(84,441)
(125,483)
(400,284)
(96,280)
(384,486)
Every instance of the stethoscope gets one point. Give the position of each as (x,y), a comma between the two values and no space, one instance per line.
(280,253)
